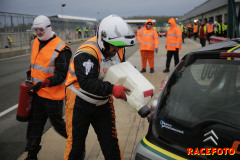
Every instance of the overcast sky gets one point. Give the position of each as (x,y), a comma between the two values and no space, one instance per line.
(100,8)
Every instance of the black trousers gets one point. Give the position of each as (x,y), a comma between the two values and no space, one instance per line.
(102,118)
(169,58)
(203,41)
(195,36)
(43,108)
(208,37)
(183,36)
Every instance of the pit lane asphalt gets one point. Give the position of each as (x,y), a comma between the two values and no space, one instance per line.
(12,132)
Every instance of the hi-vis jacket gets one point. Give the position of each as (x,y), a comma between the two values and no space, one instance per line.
(148,39)
(174,36)
(204,30)
(43,66)
(209,27)
(195,28)
(91,66)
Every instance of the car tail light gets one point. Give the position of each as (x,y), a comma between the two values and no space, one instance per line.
(229,54)
(163,83)
(153,107)
(155,99)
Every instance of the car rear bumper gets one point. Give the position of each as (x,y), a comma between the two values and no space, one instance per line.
(145,150)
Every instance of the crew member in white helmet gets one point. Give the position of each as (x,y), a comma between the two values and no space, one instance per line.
(49,66)
(89,99)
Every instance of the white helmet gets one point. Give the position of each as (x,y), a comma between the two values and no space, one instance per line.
(43,22)
(115,31)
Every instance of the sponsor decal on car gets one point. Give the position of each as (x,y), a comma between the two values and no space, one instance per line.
(169,126)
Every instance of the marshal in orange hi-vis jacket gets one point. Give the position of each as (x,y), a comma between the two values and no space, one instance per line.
(149,41)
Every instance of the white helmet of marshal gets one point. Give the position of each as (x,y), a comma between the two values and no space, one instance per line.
(43,22)
(115,31)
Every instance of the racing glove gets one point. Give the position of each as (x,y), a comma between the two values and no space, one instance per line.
(156,50)
(39,85)
(119,92)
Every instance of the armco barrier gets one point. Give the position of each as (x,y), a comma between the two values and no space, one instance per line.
(215,39)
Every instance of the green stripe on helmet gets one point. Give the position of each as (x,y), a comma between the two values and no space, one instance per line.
(117,43)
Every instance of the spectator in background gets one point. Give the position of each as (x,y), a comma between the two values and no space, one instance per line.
(203,34)
(95,29)
(85,28)
(189,30)
(195,30)
(224,27)
(34,35)
(218,28)
(183,30)
(210,30)
(10,41)
(79,32)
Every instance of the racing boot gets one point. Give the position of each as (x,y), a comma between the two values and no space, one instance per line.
(32,152)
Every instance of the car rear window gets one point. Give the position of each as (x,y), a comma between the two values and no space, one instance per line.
(207,89)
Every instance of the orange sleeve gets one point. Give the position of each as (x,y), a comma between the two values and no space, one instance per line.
(156,39)
(179,36)
(139,34)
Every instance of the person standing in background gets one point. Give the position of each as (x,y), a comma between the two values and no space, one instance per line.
(195,30)
(79,32)
(210,30)
(149,41)
(218,28)
(225,26)
(183,31)
(10,41)
(203,34)
(173,43)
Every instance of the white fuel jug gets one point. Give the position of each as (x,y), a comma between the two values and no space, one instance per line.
(141,90)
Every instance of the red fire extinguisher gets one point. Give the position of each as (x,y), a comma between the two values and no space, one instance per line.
(24,102)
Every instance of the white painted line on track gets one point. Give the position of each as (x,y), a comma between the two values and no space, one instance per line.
(8,110)
(14,57)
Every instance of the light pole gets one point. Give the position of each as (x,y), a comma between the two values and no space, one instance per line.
(63,5)
(98,15)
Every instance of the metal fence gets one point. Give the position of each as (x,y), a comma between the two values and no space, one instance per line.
(18,27)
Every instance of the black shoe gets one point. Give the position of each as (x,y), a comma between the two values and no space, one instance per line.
(143,70)
(151,70)
(166,70)
(32,156)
